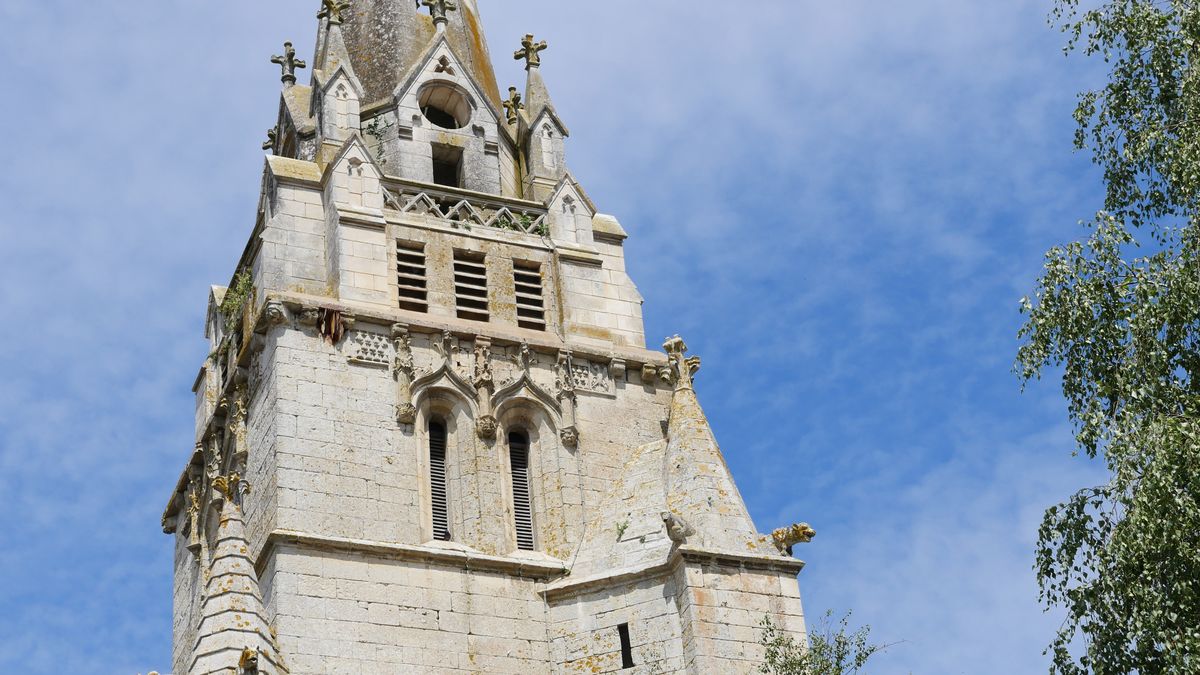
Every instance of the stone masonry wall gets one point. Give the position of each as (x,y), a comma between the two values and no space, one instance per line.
(351,613)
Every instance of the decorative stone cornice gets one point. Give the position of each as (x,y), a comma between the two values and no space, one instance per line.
(572,586)
(462,558)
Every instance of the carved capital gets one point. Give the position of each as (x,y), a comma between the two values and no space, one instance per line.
(486,427)
(406,413)
(230,486)
(570,437)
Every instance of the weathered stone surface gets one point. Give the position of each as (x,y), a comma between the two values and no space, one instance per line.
(359,345)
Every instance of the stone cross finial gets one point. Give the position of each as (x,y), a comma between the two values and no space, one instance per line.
(531,51)
(513,105)
(288,63)
(332,10)
(438,9)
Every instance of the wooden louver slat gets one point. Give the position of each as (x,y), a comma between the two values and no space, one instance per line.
(411,277)
(470,287)
(531,307)
(437,481)
(518,448)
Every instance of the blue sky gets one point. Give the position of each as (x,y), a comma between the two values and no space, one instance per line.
(838,204)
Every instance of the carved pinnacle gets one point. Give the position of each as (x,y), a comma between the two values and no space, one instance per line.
(682,368)
(513,105)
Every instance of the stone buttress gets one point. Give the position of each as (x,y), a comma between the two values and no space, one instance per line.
(430,437)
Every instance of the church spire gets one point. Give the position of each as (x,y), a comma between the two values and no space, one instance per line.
(388,38)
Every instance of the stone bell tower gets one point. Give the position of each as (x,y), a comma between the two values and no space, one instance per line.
(429,435)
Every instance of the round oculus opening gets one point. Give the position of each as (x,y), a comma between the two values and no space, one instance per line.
(445,106)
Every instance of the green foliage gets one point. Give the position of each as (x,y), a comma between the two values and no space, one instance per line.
(1119,314)
(832,649)
(236,297)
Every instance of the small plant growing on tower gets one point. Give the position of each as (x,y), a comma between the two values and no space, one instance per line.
(621,527)
(236,297)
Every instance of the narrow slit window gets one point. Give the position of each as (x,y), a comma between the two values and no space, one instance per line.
(411,277)
(518,450)
(470,286)
(531,303)
(626,646)
(437,481)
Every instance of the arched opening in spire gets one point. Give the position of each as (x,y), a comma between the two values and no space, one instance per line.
(445,105)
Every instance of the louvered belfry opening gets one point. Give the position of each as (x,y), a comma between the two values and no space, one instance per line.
(531,304)
(411,277)
(470,286)
(437,481)
(518,451)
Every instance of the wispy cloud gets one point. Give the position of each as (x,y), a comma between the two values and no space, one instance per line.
(837,203)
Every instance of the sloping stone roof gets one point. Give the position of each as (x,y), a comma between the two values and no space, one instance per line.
(386,37)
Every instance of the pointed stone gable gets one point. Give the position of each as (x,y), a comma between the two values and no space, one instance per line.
(700,489)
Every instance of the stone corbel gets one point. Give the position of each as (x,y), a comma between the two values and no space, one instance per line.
(565,384)
(309,316)
(487,424)
(276,313)
(617,368)
(404,369)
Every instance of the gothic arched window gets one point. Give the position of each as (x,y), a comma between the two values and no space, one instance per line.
(518,453)
(437,480)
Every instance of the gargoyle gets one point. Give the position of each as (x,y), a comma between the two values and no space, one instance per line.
(677,528)
(787,537)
